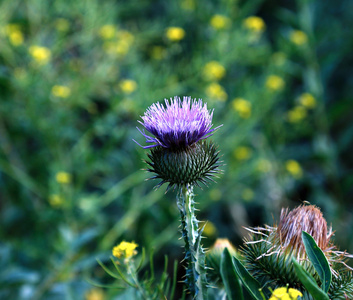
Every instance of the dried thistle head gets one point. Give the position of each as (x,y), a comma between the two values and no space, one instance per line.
(268,251)
(306,218)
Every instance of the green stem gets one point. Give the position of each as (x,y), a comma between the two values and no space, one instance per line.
(195,277)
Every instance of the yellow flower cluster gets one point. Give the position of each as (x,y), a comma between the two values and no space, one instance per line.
(284,293)
(307,100)
(107,31)
(117,42)
(274,83)
(41,55)
(299,112)
(242,107)
(175,34)
(220,22)
(128,86)
(254,24)
(125,250)
(298,37)
(61,91)
(294,168)
(63,177)
(216,91)
(14,33)
(213,70)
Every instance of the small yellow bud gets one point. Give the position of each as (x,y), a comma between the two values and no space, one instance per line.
(61,91)
(175,34)
(294,168)
(220,22)
(128,86)
(298,37)
(274,83)
(254,24)
(213,70)
(63,177)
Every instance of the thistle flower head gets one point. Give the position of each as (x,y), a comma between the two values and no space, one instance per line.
(268,251)
(303,218)
(179,154)
(177,125)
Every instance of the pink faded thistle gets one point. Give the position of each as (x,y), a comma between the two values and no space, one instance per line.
(178,124)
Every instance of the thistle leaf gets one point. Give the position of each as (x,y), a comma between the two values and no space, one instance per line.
(230,278)
(249,282)
(309,282)
(318,259)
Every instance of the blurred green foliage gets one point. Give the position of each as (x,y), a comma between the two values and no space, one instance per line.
(74,79)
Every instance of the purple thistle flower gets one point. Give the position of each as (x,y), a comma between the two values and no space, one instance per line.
(177,125)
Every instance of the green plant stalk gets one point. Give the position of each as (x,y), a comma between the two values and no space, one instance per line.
(195,277)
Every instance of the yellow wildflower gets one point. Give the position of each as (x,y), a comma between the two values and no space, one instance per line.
(125,249)
(242,153)
(128,86)
(274,83)
(220,22)
(56,200)
(210,229)
(62,24)
(175,34)
(247,194)
(294,168)
(294,294)
(61,91)
(242,106)
(158,52)
(307,100)
(214,90)
(107,32)
(94,294)
(63,177)
(213,70)
(41,55)
(264,165)
(298,37)
(254,24)
(283,293)
(15,34)
(296,114)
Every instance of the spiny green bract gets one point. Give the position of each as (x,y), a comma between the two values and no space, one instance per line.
(191,165)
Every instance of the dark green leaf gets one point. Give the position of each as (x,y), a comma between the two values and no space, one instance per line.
(230,277)
(309,282)
(318,259)
(249,282)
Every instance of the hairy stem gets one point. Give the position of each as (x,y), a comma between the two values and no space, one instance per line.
(195,277)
